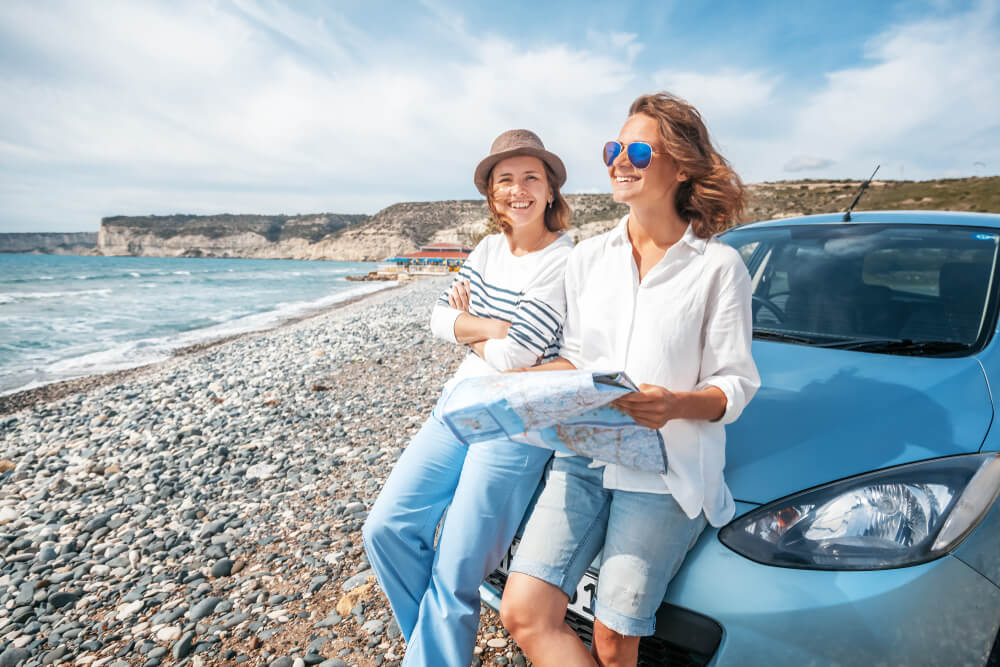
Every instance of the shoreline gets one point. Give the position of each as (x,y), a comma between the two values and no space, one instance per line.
(53,391)
(207,510)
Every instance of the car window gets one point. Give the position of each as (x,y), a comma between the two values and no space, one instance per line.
(906,289)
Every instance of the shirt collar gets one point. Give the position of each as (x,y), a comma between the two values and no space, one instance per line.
(689,238)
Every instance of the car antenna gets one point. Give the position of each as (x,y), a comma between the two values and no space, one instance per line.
(864,186)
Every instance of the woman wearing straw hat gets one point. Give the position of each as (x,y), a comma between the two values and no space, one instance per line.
(662,299)
(507,304)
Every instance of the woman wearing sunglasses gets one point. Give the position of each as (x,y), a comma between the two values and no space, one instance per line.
(508,305)
(662,299)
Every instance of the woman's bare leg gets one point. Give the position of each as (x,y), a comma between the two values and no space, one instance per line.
(534,613)
(611,649)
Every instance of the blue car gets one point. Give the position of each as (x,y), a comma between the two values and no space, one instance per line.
(866,469)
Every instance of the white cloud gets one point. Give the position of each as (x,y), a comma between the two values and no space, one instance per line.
(926,97)
(256,106)
(727,93)
(178,98)
(808,163)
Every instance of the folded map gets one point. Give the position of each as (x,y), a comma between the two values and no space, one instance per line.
(568,411)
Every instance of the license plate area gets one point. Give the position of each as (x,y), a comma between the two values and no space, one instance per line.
(583,598)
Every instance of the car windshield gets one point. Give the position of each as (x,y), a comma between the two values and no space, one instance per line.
(894,289)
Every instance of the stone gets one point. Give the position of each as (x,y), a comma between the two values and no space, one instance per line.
(129,609)
(496,642)
(222,567)
(63,598)
(203,608)
(14,656)
(373,627)
(317,583)
(183,646)
(357,580)
(53,656)
(331,620)
(348,602)
(168,633)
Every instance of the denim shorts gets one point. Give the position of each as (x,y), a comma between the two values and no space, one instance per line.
(645,537)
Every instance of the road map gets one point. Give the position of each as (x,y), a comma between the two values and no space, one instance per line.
(568,410)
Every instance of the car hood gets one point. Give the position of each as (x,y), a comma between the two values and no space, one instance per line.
(821,415)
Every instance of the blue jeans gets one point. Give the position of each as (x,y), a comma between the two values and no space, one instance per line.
(645,537)
(435,593)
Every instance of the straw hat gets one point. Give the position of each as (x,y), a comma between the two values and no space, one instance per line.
(518,142)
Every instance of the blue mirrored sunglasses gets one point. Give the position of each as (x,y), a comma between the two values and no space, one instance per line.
(639,153)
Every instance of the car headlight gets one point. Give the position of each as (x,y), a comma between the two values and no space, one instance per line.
(895,517)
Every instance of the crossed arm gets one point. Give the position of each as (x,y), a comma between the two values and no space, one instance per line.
(470,329)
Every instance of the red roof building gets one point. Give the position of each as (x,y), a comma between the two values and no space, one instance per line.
(447,256)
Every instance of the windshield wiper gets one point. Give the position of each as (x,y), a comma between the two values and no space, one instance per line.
(782,336)
(898,346)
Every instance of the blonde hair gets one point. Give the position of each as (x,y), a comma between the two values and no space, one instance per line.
(557,216)
(712,198)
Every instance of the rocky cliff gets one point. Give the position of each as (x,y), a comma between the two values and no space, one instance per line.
(78,243)
(272,237)
(402,228)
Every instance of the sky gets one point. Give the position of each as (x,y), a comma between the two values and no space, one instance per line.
(139,107)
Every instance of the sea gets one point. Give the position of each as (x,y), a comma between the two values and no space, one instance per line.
(67,316)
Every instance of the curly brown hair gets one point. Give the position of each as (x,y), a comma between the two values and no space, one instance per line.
(557,216)
(713,197)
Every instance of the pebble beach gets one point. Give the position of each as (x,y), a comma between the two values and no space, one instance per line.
(207,510)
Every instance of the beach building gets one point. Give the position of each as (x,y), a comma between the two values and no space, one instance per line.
(433,259)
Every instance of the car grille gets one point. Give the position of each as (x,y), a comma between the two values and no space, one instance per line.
(683,638)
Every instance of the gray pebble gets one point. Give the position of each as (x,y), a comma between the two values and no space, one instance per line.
(328,622)
(373,627)
(183,646)
(357,580)
(222,567)
(13,656)
(204,608)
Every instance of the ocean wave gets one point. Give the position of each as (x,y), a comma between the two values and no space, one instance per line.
(151,273)
(11,297)
(120,356)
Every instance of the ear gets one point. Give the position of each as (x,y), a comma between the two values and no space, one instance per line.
(681,177)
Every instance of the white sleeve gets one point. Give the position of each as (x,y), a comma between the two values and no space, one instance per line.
(443,322)
(571,344)
(726,361)
(443,316)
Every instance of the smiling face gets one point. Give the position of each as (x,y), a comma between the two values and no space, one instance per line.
(520,190)
(654,185)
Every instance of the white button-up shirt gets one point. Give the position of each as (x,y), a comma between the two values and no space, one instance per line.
(685,327)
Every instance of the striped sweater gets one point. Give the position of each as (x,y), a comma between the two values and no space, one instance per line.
(526,291)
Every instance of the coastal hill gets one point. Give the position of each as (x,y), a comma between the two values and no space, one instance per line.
(402,228)
(226,235)
(75,243)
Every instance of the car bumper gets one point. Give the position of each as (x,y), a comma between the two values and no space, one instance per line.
(939,613)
